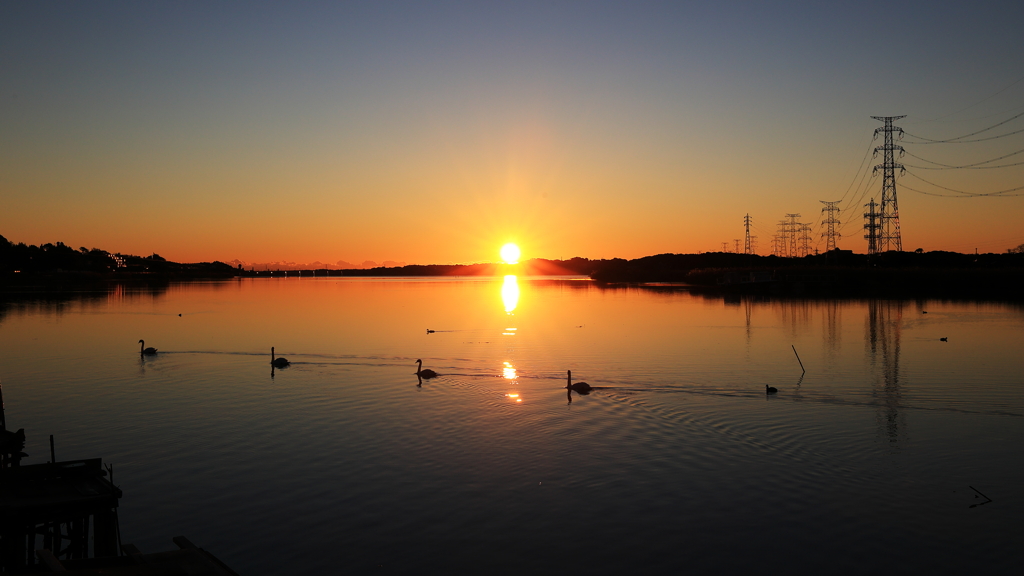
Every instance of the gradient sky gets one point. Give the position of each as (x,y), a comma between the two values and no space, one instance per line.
(435,132)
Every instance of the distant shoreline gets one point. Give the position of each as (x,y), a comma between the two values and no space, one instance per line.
(58,268)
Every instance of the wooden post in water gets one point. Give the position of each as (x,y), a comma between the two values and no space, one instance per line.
(798,359)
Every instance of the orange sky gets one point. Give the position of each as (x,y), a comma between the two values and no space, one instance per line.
(357,133)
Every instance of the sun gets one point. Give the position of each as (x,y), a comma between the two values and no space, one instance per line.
(510,253)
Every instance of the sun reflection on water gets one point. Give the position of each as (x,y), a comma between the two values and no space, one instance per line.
(510,293)
(509,371)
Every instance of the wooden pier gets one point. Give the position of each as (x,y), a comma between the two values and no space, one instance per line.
(62,517)
(69,508)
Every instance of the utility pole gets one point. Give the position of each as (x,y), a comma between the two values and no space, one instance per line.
(831,211)
(748,248)
(871,218)
(889,239)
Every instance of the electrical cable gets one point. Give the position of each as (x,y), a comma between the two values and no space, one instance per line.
(985,99)
(960,139)
(964,194)
(975,165)
(963,167)
(857,173)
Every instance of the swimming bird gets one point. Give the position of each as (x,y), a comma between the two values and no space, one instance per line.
(581,387)
(770,389)
(147,351)
(277,362)
(429,331)
(428,373)
(944,339)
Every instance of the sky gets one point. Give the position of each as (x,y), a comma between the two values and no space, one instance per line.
(435,132)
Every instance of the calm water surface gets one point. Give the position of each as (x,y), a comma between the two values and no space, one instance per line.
(678,461)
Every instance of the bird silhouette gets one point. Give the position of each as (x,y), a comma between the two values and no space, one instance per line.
(581,387)
(277,362)
(147,351)
(770,389)
(428,373)
(944,339)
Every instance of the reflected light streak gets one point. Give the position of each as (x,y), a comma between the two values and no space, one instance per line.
(510,293)
(509,371)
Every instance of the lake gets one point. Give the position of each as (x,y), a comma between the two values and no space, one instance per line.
(894,451)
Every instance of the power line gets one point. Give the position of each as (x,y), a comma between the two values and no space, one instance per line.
(985,99)
(976,165)
(865,183)
(963,167)
(858,172)
(965,194)
(953,140)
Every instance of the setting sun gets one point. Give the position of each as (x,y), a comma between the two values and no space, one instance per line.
(510,253)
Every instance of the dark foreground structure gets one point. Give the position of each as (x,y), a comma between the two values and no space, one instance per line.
(62,517)
(188,560)
(68,508)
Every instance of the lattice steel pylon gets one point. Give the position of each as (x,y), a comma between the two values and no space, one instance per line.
(783,238)
(830,234)
(805,238)
(793,228)
(746,242)
(871,224)
(889,236)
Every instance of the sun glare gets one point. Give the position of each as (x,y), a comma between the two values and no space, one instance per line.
(510,253)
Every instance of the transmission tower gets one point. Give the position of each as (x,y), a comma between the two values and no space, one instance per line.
(831,211)
(889,239)
(793,228)
(747,246)
(725,246)
(805,238)
(871,224)
(782,239)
